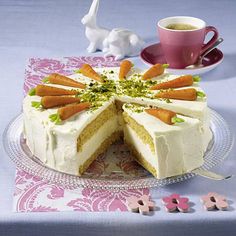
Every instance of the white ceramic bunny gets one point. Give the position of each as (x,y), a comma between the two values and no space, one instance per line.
(121,43)
(95,34)
(118,42)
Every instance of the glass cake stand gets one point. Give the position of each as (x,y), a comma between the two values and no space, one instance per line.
(115,169)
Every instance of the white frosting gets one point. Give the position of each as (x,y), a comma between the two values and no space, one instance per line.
(67,157)
(179,148)
(56,145)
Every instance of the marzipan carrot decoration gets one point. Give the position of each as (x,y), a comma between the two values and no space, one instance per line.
(44,90)
(190,94)
(63,80)
(154,71)
(88,71)
(125,67)
(66,112)
(167,116)
(182,81)
(54,101)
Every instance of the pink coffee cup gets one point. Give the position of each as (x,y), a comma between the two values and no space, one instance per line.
(183,47)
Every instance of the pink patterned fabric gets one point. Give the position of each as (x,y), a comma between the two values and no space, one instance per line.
(33,194)
(38,68)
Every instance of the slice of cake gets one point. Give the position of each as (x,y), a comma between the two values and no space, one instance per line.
(68,122)
(164,150)
(71,146)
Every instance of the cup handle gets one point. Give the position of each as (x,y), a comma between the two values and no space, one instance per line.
(212,40)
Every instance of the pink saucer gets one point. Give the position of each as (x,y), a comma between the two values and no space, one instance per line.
(153,54)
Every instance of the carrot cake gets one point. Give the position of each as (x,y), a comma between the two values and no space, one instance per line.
(163,118)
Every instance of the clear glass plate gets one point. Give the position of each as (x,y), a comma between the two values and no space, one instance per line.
(115,169)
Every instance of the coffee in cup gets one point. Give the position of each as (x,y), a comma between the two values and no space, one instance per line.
(182,39)
(181,26)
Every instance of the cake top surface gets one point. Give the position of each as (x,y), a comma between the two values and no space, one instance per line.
(133,89)
(133,86)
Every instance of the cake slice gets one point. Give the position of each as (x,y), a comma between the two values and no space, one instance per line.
(164,150)
(74,144)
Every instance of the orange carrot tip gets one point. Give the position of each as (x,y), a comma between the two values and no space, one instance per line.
(201,94)
(55,118)
(32,92)
(196,78)
(176,119)
(36,104)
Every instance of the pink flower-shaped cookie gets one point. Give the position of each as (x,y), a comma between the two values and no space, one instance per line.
(140,204)
(213,201)
(176,203)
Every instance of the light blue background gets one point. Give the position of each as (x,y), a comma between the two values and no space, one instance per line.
(30,28)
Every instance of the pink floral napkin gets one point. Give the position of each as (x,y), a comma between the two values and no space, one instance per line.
(33,194)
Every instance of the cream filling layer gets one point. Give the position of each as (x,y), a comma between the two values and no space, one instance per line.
(174,154)
(69,160)
(59,150)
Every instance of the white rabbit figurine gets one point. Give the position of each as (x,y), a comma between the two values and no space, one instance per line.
(117,42)
(122,42)
(95,34)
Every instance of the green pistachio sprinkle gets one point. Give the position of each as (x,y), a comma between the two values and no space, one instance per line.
(104,77)
(135,107)
(176,119)
(32,92)
(196,78)
(137,75)
(36,104)
(55,118)
(133,88)
(167,100)
(165,66)
(45,80)
(151,82)
(77,71)
(97,93)
(201,94)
